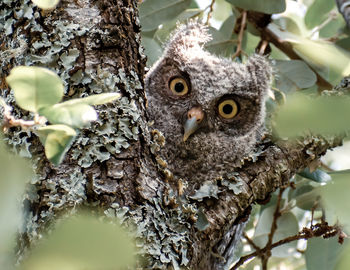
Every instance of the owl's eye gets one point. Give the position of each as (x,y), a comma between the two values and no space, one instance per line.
(228,108)
(178,86)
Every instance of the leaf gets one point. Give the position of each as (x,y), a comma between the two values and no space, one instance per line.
(307,197)
(94,99)
(152,49)
(332,28)
(335,196)
(287,225)
(77,112)
(267,6)
(14,177)
(322,254)
(35,87)
(75,115)
(293,75)
(162,34)
(56,140)
(319,54)
(83,242)
(344,43)
(220,45)
(227,27)
(155,12)
(318,12)
(343,262)
(321,115)
(46,4)
(318,175)
(324,54)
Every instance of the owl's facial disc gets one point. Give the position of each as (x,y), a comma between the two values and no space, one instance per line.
(194,117)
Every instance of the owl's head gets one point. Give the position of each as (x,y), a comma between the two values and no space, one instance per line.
(206,105)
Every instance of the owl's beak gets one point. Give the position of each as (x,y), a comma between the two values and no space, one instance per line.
(194,117)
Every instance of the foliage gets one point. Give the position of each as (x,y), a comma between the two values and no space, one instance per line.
(39,90)
(309,50)
(81,241)
(316,58)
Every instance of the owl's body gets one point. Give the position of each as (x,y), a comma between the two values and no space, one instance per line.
(210,110)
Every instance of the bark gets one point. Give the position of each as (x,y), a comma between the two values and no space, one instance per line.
(113,165)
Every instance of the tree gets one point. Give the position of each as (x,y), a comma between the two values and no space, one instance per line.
(112,166)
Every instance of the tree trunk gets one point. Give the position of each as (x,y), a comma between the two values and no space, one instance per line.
(113,165)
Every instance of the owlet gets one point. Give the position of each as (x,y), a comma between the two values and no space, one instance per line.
(211,110)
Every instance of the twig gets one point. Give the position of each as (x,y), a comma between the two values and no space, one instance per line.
(318,230)
(250,242)
(276,215)
(332,16)
(211,8)
(11,121)
(240,35)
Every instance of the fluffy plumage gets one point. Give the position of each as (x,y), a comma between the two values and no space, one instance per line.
(218,144)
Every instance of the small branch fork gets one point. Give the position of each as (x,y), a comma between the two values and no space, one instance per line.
(10,121)
(317,230)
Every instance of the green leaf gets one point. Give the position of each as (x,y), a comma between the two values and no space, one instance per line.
(14,177)
(321,115)
(343,262)
(162,34)
(77,112)
(56,140)
(293,75)
(324,54)
(220,45)
(75,115)
(344,43)
(287,225)
(222,10)
(94,99)
(35,87)
(318,175)
(336,197)
(83,242)
(267,6)
(318,12)
(307,197)
(332,28)
(46,4)
(322,254)
(152,49)
(155,12)
(227,27)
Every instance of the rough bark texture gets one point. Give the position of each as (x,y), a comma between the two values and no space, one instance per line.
(95,47)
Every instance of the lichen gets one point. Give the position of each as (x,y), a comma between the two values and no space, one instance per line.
(53,47)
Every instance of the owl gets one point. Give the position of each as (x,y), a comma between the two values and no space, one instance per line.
(210,110)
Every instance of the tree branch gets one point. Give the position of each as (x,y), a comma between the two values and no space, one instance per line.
(273,168)
(319,230)
(257,19)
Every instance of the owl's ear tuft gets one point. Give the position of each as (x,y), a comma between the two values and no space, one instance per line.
(192,35)
(260,71)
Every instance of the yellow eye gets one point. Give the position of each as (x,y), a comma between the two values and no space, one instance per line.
(228,108)
(178,86)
